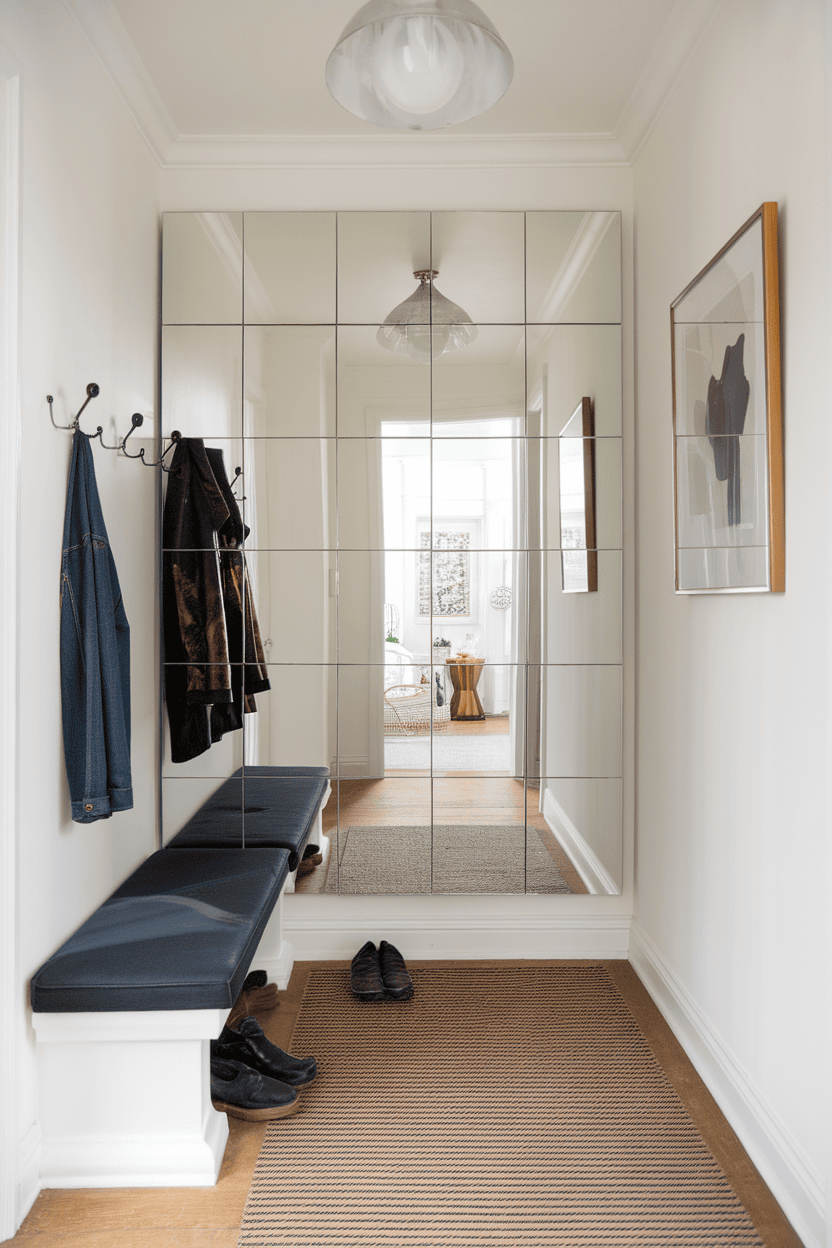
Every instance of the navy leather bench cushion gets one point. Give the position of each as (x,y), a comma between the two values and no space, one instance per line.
(273,807)
(179,934)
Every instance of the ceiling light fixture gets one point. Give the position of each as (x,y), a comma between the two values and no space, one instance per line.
(426,325)
(419,64)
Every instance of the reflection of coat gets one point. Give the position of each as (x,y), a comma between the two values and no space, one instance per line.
(214,662)
(725,421)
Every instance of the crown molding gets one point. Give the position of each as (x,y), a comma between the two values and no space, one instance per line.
(394,151)
(674,48)
(107,36)
(101,25)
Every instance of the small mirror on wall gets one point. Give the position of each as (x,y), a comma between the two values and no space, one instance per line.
(579,557)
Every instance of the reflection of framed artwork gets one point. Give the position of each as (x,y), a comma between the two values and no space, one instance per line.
(576,447)
(727,419)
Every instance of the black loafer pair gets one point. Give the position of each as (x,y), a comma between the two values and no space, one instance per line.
(376,973)
(254,1079)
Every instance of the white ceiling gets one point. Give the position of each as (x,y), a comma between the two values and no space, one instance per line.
(589,73)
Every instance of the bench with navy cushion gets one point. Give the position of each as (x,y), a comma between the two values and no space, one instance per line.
(179,934)
(265,807)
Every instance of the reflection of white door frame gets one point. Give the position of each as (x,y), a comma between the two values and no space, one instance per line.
(375,673)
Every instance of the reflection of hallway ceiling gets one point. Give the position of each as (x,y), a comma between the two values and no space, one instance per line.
(214,82)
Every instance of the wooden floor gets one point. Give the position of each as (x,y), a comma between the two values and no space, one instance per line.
(210,1217)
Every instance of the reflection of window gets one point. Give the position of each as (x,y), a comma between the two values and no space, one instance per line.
(451,573)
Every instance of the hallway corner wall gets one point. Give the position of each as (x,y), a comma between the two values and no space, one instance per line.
(732,809)
(88,285)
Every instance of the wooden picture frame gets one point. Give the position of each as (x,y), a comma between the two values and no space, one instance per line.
(727,419)
(579,554)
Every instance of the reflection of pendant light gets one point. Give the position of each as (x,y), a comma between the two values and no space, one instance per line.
(419,64)
(427,324)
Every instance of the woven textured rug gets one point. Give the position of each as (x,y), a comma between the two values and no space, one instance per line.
(500,1108)
(455,858)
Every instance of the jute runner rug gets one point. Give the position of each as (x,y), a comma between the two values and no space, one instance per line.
(500,1108)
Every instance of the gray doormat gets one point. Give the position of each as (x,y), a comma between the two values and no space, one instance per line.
(457,858)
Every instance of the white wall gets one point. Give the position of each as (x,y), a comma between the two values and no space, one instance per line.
(88,313)
(732,725)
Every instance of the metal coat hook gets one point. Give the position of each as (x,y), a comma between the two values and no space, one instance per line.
(238,472)
(138,420)
(92,393)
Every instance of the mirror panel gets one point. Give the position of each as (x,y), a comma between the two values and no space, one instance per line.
(573,267)
(295,592)
(290,268)
(577,628)
(544,485)
(202,266)
(288,381)
(378,253)
(585,816)
(479,391)
(478,494)
(290,493)
(202,381)
(479,261)
(381,394)
(579,732)
(384,838)
(440,624)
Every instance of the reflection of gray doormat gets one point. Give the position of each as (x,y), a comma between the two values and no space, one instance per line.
(466,858)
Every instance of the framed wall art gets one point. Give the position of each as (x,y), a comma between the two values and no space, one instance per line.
(727,419)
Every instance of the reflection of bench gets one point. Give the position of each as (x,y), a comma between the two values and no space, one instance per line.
(124,1011)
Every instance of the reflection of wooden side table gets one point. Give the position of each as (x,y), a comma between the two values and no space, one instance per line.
(465,703)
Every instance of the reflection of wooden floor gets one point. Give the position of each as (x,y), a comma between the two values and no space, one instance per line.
(408,802)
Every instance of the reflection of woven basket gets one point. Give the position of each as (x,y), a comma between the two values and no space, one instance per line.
(410,712)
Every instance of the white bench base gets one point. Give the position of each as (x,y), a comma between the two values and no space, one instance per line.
(125,1097)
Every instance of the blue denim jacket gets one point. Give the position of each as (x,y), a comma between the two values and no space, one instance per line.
(95,653)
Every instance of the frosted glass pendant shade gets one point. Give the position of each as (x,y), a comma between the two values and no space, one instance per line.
(426,325)
(419,64)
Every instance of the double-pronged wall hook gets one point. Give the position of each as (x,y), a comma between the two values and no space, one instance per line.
(137,422)
(92,393)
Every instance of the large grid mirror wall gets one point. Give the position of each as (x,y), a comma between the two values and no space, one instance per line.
(425,410)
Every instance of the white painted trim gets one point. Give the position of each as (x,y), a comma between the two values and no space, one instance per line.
(674,48)
(28,1171)
(106,34)
(581,854)
(12,1193)
(529,936)
(383,151)
(781,1162)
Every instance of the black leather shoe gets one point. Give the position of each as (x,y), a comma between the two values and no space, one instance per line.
(394,974)
(365,975)
(245,1043)
(243,1093)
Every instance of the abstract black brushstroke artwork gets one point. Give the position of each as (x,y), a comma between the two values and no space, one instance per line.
(727,419)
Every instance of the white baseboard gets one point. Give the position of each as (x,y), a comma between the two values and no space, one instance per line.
(278,969)
(580,936)
(583,858)
(28,1176)
(780,1161)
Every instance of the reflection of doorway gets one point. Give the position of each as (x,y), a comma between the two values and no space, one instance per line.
(452,518)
